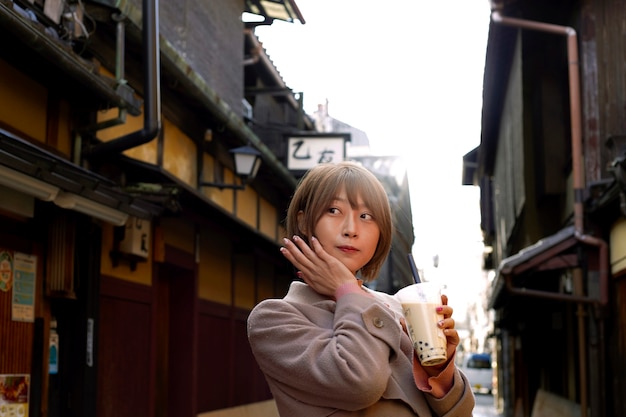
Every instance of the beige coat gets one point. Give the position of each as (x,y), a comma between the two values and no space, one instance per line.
(345,358)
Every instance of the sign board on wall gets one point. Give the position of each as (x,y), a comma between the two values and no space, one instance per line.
(18,274)
(137,237)
(307,150)
(6,271)
(14,393)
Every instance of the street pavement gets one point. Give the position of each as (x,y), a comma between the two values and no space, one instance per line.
(485,406)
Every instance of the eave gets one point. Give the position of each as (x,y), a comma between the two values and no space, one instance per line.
(28,46)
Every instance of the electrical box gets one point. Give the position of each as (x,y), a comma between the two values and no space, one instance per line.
(137,236)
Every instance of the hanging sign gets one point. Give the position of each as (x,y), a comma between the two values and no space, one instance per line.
(306,151)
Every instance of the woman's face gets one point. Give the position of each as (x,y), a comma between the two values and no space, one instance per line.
(348,233)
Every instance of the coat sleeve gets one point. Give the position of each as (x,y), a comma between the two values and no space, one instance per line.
(459,401)
(338,360)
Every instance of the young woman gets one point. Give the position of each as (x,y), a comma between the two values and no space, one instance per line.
(332,346)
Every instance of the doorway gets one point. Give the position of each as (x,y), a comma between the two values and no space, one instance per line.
(176,341)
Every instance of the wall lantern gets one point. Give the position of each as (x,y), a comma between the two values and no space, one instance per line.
(247,163)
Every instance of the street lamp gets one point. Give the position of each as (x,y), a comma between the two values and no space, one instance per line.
(247,163)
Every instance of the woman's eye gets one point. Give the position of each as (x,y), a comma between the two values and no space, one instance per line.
(367,216)
(333,210)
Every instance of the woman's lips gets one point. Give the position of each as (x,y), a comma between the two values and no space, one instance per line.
(347,248)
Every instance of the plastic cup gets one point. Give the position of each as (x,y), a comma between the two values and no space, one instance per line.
(419,302)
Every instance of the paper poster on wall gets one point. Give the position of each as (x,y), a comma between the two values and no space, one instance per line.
(24,280)
(14,395)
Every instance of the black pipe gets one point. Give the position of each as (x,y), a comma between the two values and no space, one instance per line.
(152,89)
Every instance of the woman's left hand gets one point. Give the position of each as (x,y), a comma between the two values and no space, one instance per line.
(447,324)
(452,336)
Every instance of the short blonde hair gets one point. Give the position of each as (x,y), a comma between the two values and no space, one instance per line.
(319,187)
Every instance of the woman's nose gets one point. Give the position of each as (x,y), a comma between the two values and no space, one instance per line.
(350,226)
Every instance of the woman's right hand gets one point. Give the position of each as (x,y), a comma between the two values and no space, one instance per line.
(321,271)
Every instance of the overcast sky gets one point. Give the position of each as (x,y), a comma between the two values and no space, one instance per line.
(408,73)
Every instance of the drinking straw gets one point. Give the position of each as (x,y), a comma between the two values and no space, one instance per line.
(416,275)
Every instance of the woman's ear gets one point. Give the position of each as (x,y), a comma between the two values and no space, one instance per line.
(301,223)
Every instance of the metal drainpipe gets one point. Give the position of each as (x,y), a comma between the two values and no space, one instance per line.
(119,77)
(577,159)
(152,89)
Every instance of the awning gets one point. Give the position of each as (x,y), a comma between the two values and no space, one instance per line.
(556,252)
(154,183)
(286,10)
(33,170)
(548,253)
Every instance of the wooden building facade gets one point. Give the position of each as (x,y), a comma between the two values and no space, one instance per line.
(131,251)
(550,166)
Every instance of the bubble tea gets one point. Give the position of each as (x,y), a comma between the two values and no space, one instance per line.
(419,302)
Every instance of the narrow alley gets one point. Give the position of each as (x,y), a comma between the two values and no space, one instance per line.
(485,406)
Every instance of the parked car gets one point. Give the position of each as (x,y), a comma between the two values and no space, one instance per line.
(478,369)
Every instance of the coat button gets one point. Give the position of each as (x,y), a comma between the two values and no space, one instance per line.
(378,322)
